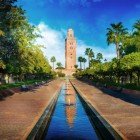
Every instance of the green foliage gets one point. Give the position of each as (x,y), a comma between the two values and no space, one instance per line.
(89,52)
(1,33)
(19,55)
(131,62)
(84,61)
(60,74)
(80,59)
(76,66)
(99,56)
(136,35)
(125,70)
(59,65)
(18,84)
(2,65)
(53,74)
(115,36)
(53,60)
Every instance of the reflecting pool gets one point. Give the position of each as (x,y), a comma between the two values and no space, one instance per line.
(69,120)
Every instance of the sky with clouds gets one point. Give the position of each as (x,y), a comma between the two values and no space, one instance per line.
(88,18)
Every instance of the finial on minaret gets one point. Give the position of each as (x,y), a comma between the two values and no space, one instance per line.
(70,33)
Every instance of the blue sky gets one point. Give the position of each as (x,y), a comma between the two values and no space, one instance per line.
(88,18)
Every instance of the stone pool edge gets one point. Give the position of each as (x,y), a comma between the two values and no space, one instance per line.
(39,128)
(117,135)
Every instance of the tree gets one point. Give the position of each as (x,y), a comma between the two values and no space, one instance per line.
(84,61)
(115,34)
(59,65)
(136,35)
(53,60)
(80,59)
(87,53)
(126,69)
(2,65)
(99,57)
(93,62)
(131,42)
(90,54)
(13,21)
(19,55)
(1,33)
(131,64)
(75,66)
(128,44)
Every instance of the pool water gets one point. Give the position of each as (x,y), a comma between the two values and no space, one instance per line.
(69,120)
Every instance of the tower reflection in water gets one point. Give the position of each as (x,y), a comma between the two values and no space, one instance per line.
(69,120)
(70,108)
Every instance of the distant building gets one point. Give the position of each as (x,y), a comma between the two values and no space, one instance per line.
(70,52)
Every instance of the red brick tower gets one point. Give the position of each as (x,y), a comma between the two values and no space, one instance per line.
(70,51)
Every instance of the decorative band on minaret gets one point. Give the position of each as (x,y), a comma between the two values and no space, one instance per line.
(70,50)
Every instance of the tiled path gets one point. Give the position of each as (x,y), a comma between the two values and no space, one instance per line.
(20,112)
(122,112)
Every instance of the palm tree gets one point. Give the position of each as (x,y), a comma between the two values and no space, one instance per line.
(53,59)
(87,53)
(137,25)
(90,54)
(84,61)
(136,34)
(80,59)
(99,57)
(115,34)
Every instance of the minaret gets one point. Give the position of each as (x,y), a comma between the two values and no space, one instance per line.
(70,51)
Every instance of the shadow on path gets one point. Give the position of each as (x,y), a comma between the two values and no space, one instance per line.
(10,92)
(123,96)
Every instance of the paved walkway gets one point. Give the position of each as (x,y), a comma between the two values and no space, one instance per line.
(122,112)
(20,112)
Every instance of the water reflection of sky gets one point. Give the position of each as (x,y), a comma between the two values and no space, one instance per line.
(70,122)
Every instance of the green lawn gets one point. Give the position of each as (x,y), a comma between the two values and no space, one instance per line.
(18,84)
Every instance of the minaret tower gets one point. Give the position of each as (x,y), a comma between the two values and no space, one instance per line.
(70,51)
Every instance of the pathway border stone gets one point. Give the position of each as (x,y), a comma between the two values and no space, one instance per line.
(123,116)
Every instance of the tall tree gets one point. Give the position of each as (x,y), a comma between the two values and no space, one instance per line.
(99,56)
(84,61)
(115,34)
(53,60)
(87,53)
(136,35)
(80,60)
(90,54)
(18,53)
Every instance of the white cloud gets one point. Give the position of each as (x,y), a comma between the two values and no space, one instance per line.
(54,43)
